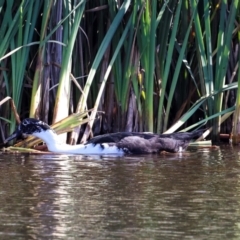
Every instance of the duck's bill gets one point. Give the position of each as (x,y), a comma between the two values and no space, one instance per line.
(14,135)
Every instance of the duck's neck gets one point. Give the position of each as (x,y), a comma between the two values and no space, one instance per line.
(48,136)
(55,145)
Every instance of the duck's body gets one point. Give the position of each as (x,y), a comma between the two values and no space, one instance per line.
(115,143)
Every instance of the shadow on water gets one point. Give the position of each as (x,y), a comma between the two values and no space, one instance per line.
(169,196)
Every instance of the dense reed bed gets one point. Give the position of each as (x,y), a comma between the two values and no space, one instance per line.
(148,65)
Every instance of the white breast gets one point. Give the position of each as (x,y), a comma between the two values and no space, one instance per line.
(54,145)
(85,149)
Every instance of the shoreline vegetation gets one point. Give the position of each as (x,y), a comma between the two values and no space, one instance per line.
(93,67)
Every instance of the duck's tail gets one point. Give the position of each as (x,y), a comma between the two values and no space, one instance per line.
(197,133)
(187,136)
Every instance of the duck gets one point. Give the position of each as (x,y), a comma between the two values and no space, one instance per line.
(119,143)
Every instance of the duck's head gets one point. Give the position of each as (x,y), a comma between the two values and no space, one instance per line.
(29,126)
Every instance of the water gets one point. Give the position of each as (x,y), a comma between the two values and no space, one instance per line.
(195,195)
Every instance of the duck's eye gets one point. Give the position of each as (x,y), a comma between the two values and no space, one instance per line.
(24,122)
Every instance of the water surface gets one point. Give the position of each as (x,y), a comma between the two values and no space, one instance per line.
(194,195)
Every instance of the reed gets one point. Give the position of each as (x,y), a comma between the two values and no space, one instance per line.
(38,76)
(236,119)
(71,28)
(224,45)
(150,65)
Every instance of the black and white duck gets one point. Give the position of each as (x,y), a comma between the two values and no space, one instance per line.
(113,143)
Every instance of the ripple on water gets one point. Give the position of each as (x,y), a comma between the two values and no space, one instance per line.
(191,195)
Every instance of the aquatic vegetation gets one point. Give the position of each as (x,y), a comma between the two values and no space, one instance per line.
(149,65)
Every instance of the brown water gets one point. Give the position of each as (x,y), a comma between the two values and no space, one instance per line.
(195,195)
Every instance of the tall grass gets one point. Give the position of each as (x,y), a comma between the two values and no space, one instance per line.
(236,121)
(150,65)
(38,76)
(224,44)
(19,32)
(71,28)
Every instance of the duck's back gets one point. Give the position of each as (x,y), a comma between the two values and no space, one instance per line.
(117,137)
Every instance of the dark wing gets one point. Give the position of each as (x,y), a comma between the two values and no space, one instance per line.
(116,137)
(170,144)
(137,144)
